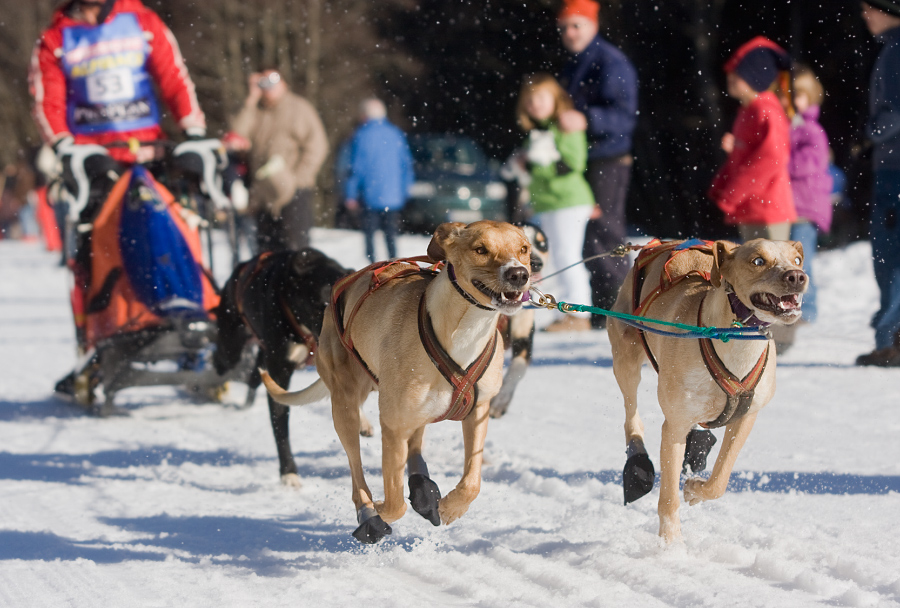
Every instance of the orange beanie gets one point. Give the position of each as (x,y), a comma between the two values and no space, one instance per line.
(580,8)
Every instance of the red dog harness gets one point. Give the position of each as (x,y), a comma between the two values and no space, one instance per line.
(464,382)
(739,393)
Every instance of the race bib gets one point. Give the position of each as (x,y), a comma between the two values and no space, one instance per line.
(112,85)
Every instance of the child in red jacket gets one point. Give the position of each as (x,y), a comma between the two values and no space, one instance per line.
(753,187)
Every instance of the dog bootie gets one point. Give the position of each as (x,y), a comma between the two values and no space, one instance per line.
(637,478)
(699,443)
(372,530)
(424,496)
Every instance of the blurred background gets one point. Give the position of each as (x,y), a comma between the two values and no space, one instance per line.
(454,67)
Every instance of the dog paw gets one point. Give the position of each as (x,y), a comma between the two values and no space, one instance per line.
(637,477)
(372,530)
(699,443)
(693,491)
(670,529)
(365,427)
(425,496)
(452,507)
(499,405)
(291,480)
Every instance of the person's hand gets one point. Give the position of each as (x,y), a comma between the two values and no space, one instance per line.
(596,213)
(351,204)
(572,120)
(728,143)
(254,93)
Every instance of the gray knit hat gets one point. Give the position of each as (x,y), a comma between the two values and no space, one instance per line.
(892,7)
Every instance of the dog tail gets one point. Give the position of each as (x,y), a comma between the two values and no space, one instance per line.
(317,391)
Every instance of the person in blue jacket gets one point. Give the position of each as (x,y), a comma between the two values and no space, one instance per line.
(380,174)
(603,85)
(882,18)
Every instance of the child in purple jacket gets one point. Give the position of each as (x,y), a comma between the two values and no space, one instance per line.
(810,179)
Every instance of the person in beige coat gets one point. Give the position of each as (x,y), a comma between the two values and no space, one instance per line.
(287,148)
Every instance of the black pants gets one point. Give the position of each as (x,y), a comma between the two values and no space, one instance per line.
(389,222)
(290,230)
(609,182)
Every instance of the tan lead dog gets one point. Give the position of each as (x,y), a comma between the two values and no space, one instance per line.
(490,264)
(760,282)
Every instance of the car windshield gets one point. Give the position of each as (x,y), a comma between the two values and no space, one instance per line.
(456,155)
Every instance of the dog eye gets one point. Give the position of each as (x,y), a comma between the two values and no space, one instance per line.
(524,249)
(758,262)
(797,260)
(481,250)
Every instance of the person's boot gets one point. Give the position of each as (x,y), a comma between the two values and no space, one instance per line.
(881,357)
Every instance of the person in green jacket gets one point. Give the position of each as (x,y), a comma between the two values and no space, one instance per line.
(560,195)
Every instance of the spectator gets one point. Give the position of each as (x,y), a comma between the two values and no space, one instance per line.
(882,17)
(603,85)
(560,196)
(379,176)
(287,148)
(753,187)
(810,175)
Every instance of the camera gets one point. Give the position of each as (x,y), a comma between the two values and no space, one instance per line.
(267,82)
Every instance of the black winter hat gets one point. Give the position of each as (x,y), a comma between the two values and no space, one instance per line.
(758,62)
(889,6)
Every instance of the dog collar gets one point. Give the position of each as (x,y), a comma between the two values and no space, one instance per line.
(451,274)
(743,312)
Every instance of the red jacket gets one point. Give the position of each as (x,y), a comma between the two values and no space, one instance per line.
(753,186)
(164,63)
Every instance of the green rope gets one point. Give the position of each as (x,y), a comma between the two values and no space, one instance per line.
(724,334)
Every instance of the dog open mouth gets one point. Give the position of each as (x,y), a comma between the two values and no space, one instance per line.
(500,299)
(780,306)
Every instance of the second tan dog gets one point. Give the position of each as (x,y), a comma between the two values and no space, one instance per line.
(373,336)
(701,382)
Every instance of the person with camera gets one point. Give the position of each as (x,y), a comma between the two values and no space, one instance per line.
(287,146)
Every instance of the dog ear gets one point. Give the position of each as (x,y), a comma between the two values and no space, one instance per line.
(722,253)
(442,238)
(799,247)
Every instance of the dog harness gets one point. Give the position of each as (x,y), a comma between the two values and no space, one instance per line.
(301,332)
(464,382)
(739,393)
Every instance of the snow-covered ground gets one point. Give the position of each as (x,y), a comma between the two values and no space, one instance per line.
(180,504)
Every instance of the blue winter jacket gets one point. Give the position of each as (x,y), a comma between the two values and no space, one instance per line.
(604,86)
(381,168)
(884,104)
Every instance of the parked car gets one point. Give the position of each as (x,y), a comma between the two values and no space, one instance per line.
(455,182)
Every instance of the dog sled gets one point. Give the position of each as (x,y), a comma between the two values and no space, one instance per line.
(143,296)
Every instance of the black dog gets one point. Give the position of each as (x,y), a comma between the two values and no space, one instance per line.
(279,299)
(518,330)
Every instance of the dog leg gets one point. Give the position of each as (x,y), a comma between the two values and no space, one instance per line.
(345,415)
(455,504)
(281,371)
(394,448)
(638,474)
(514,374)
(424,494)
(696,490)
(521,330)
(671,456)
